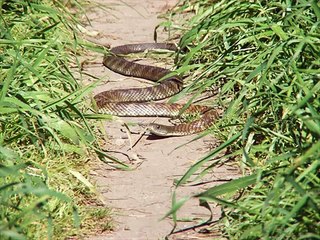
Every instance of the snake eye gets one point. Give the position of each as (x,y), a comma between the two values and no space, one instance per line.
(158,127)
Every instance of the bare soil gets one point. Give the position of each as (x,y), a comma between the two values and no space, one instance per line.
(141,197)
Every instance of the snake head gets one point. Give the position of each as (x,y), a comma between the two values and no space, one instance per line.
(157,129)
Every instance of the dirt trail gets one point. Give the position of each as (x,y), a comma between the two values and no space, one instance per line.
(142,196)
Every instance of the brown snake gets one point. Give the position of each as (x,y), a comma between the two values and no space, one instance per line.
(134,101)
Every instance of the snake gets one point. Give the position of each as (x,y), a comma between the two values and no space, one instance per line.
(140,101)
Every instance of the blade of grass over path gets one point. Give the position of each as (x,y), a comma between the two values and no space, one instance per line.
(264,58)
(45,137)
(202,161)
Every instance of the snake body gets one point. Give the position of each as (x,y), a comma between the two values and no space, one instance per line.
(135,101)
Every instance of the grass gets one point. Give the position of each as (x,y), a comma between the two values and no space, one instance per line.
(265,58)
(45,138)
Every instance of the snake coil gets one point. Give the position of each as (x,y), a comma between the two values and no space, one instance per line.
(136,101)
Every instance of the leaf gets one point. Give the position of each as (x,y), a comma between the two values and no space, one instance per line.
(82,179)
(63,127)
(176,206)
(229,187)
(197,165)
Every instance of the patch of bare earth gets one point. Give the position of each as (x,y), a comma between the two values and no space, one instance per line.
(141,197)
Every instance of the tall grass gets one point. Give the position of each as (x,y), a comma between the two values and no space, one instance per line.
(265,58)
(44,190)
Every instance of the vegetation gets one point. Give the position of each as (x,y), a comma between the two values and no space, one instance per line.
(265,57)
(45,138)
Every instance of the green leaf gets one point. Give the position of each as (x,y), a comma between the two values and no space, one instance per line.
(197,165)
(229,187)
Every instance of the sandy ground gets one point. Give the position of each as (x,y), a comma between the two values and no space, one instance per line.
(141,197)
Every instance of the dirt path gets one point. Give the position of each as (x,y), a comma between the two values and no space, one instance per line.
(142,196)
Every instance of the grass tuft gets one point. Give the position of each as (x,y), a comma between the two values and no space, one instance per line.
(45,139)
(264,57)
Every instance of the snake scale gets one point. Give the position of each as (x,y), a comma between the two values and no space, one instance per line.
(136,101)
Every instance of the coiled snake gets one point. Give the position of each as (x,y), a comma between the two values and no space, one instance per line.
(134,101)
